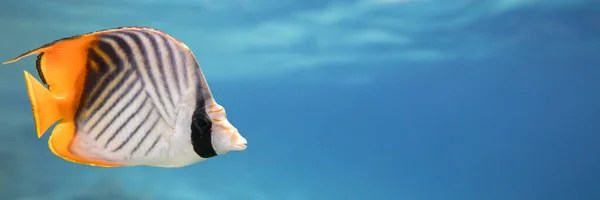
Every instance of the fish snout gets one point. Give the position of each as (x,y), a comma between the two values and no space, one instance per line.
(239,142)
(236,141)
(227,138)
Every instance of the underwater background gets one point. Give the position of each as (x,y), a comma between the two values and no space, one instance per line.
(346,99)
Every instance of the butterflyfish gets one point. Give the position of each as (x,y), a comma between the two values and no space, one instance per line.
(127,96)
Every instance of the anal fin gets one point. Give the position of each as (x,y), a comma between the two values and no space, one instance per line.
(60,143)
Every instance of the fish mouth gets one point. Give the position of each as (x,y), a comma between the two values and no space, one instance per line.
(239,147)
(240,142)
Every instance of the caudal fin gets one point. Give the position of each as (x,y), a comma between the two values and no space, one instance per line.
(43,105)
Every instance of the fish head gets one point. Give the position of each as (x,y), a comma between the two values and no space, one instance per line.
(225,137)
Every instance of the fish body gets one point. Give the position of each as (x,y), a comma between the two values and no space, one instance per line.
(127,96)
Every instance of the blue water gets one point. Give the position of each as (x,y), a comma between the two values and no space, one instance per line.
(348,100)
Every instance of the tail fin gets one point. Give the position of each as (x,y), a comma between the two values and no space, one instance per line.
(43,105)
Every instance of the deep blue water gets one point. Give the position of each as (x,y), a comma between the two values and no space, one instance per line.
(349,100)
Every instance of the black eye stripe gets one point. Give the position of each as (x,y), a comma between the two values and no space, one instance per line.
(201,135)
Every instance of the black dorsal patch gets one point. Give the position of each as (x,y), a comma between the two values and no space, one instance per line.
(38,66)
(201,131)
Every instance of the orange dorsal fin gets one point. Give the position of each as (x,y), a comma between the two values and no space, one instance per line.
(61,64)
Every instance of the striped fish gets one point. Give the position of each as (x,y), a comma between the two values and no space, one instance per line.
(127,96)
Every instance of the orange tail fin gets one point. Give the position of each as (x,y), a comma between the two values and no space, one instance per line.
(43,105)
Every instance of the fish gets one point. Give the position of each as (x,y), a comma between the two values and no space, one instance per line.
(126,96)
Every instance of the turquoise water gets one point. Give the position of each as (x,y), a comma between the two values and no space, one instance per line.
(348,100)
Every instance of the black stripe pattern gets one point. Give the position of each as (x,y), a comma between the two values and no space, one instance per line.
(132,92)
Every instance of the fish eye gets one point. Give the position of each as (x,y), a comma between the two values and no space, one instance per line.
(195,122)
(203,124)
